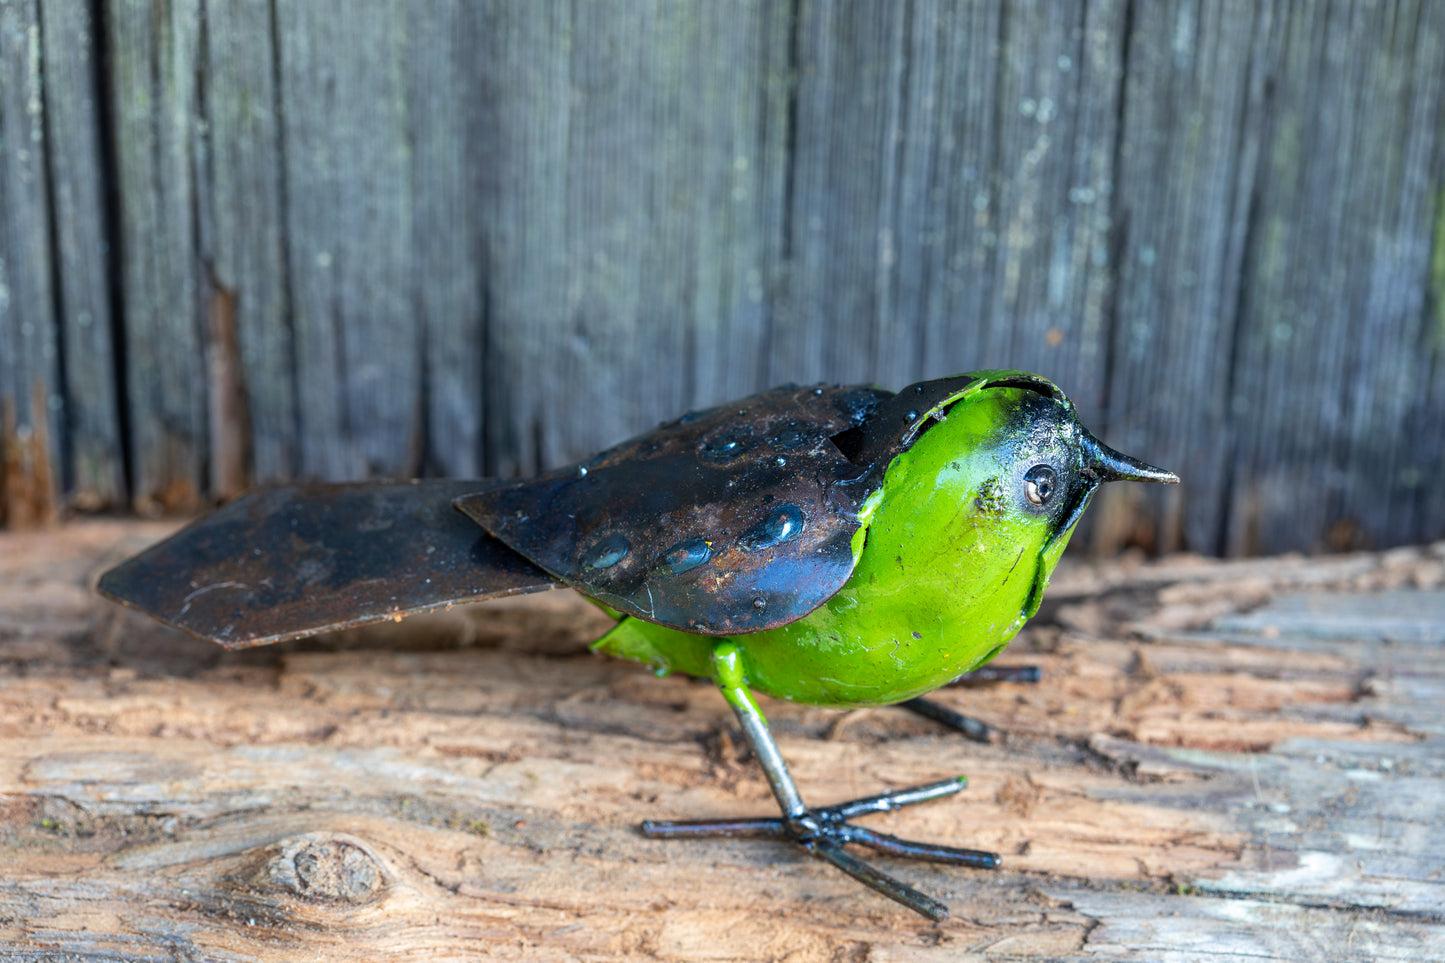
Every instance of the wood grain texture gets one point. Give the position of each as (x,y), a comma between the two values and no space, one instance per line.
(631,213)
(1329,304)
(940,163)
(259,241)
(154,97)
(88,421)
(1224,762)
(29,329)
(243,231)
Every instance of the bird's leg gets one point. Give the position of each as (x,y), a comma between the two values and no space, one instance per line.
(975,729)
(826,830)
(1001,673)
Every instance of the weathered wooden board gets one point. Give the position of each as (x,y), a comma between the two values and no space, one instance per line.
(86,439)
(1225,761)
(256,241)
(29,336)
(152,90)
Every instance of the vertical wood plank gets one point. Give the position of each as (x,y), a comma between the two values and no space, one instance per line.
(242,200)
(89,424)
(952,191)
(525,115)
(1334,353)
(471,238)
(1195,106)
(29,332)
(837,305)
(1396,351)
(349,222)
(153,59)
(1059,101)
(634,157)
(444,100)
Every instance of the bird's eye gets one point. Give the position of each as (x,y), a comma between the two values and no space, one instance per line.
(1039,484)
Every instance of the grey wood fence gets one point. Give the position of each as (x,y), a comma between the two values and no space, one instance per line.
(256,240)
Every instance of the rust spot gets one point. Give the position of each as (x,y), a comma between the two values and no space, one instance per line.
(179,495)
(229,411)
(28,499)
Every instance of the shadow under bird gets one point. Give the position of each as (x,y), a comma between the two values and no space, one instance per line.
(829,545)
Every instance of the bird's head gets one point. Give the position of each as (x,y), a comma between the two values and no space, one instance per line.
(994,474)
(1037,462)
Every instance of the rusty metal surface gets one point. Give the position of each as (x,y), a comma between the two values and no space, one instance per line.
(725,521)
(291,562)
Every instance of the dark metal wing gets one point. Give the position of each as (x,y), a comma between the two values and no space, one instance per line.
(291,562)
(732,520)
(726,521)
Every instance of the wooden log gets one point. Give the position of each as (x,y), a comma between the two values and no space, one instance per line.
(1224,761)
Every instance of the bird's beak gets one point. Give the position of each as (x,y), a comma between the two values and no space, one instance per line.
(1110,465)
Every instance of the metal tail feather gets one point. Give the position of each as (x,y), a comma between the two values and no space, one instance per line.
(291,562)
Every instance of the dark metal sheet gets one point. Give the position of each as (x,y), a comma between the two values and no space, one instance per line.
(901,418)
(731,520)
(726,521)
(289,562)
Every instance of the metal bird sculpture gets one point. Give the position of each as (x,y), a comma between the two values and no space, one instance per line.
(830,545)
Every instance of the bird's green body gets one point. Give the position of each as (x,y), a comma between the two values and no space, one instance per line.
(948,568)
(830,545)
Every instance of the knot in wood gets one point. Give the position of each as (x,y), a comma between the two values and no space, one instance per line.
(327,868)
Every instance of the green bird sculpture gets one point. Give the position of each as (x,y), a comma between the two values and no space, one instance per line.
(831,545)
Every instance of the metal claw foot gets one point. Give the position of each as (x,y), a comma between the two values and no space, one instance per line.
(826,830)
